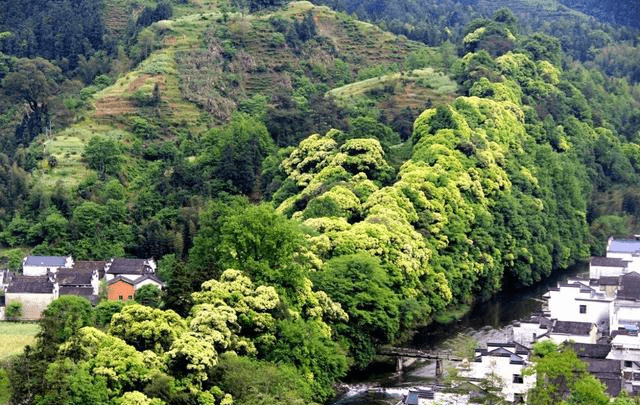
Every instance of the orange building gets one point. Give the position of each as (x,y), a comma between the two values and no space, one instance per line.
(120,289)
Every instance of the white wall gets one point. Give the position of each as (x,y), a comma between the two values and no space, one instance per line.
(596,272)
(32,304)
(147,281)
(503,370)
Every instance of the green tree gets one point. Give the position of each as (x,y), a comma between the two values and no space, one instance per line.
(562,376)
(61,320)
(361,285)
(308,347)
(105,310)
(149,295)
(103,156)
(147,328)
(34,81)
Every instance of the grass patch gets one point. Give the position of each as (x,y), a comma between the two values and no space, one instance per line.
(5,391)
(14,336)
(436,81)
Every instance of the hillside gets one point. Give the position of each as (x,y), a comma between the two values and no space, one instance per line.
(201,82)
(312,186)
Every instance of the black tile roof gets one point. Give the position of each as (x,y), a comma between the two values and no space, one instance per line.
(629,286)
(71,277)
(608,372)
(608,262)
(572,328)
(120,278)
(31,285)
(129,266)
(593,351)
(609,281)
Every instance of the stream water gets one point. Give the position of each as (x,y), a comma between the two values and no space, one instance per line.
(489,321)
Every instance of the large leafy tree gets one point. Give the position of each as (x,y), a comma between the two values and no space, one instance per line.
(362,286)
(562,376)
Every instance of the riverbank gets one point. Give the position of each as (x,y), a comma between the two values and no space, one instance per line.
(484,322)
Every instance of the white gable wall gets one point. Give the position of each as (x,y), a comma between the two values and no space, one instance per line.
(147,281)
(503,371)
(595,272)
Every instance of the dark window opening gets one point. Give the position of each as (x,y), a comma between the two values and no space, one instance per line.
(517,379)
(583,309)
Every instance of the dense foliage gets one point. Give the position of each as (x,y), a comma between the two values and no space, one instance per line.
(311,185)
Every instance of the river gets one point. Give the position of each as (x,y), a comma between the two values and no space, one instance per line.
(486,321)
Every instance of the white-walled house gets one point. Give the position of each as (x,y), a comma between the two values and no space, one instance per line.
(607,267)
(34,292)
(625,311)
(42,265)
(504,364)
(527,331)
(577,301)
(626,349)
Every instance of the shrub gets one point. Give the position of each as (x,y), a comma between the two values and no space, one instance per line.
(13,311)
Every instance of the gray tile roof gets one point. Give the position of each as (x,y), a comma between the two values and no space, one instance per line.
(89,266)
(572,328)
(149,277)
(46,261)
(129,266)
(608,262)
(593,351)
(71,277)
(31,285)
(120,278)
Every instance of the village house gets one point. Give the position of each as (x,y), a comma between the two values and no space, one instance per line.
(527,331)
(34,292)
(120,289)
(579,332)
(503,364)
(607,267)
(125,276)
(607,371)
(42,265)
(626,350)
(129,268)
(82,280)
(577,301)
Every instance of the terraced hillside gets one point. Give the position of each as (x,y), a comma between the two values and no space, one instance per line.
(203,65)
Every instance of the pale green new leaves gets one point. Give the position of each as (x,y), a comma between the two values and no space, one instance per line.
(147,328)
(137,398)
(191,356)
(110,357)
(233,314)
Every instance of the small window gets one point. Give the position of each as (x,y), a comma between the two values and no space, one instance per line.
(517,379)
(535,335)
(120,297)
(583,309)
(129,297)
(518,399)
(628,364)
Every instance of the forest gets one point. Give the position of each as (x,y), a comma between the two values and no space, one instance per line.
(314,180)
